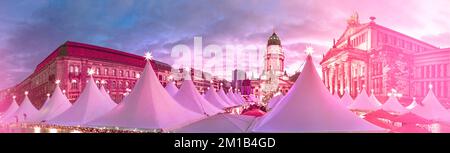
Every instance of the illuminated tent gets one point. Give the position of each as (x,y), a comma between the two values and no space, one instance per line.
(274,101)
(240,98)
(309,107)
(346,99)
(57,104)
(171,88)
(393,106)
(225,98)
(148,106)
(363,103)
(190,98)
(233,98)
(373,100)
(220,123)
(10,111)
(106,94)
(336,96)
(23,113)
(213,98)
(90,105)
(432,109)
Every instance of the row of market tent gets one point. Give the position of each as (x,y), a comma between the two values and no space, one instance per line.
(148,106)
(307,107)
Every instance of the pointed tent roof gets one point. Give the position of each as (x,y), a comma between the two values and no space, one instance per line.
(363,103)
(314,109)
(171,88)
(240,98)
(393,106)
(148,106)
(346,99)
(336,96)
(374,100)
(10,111)
(233,98)
(213,98)
(190,98)
(225,98)
(220,123)
(57,104)
(274,101)
(25,110)
(90,105)
(432,109)
(106,94)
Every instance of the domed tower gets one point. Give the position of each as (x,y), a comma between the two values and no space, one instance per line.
(274,58)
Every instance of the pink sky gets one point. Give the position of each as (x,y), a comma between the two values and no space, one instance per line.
(32,29)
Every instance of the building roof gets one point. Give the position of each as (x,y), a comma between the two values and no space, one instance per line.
(274,40)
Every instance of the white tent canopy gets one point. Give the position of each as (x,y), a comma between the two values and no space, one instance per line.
(190,98)
(233,98)
(25,110)
(346,99)
(171,88)
(309,107)
(90,105)
(240,98)
(56,105)
(225,98)
(106,94)
(374,100)
(336,96)
(148,106)
(393,106)
(10,111)
(432,109)
(363,103)
(213,98)
(220,123)
(274,101)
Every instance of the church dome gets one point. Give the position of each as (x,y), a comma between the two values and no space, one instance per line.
(274,40)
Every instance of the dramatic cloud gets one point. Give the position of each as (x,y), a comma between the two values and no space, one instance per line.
(31,29)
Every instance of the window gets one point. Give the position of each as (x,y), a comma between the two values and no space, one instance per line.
(106,71)
(433,71)
(71,69)
(77,69)
(114,72)
(128,74)
(121,73)
(97,71)
(113,85)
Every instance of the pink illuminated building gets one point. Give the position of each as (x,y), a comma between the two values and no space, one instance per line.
(381,59)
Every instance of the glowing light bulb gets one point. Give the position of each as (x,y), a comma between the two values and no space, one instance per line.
(430,86)
(48,95)
(57,81)
(309,50)
(14,97)
(91,72)
(148,56)
(26,92)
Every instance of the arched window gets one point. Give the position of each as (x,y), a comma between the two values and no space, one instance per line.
(71,69)
(121,73)
(128,74)
(113,85)
(114,72)
(97,71)
(77,69)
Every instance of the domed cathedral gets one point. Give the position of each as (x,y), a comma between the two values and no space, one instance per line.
(274,58)
(274,78)
(379,59)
